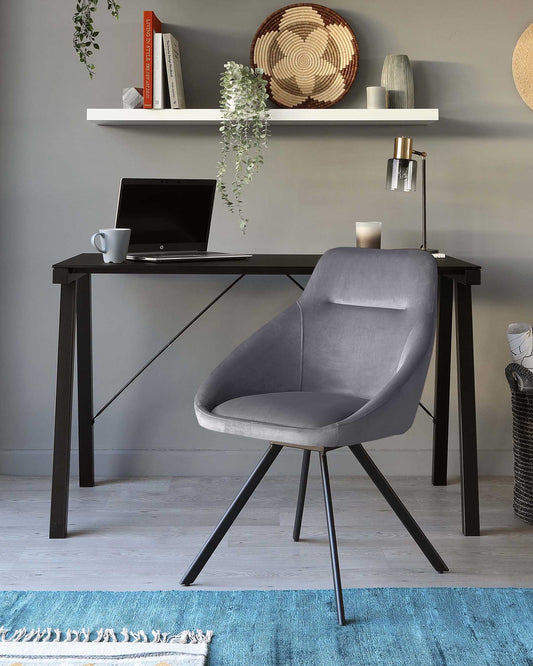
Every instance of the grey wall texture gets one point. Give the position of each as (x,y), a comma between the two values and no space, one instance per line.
(59,184)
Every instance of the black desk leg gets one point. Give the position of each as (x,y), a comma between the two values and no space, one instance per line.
(467,409)
(63,417)
(443,351)
(85,381)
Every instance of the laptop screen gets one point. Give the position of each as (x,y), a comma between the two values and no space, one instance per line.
(166,213)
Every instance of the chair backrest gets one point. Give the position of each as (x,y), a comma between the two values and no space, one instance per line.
(359,311)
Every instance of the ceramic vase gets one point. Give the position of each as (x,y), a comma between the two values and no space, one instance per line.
(397,79)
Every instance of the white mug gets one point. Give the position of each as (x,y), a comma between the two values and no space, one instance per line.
(114,244)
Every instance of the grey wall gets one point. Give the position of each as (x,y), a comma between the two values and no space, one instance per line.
(59,183)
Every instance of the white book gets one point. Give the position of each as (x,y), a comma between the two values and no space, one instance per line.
(159,74)
(174,76)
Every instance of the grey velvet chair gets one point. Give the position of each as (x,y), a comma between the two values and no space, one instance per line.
(345,364)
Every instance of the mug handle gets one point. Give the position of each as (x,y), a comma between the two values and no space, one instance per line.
(93,241)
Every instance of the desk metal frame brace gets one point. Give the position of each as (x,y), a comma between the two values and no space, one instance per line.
(77,294)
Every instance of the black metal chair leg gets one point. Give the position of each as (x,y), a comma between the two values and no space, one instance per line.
(231,514)
(332,538)
(301,495)
(398,507)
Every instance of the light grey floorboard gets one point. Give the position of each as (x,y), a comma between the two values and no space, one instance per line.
(142,534)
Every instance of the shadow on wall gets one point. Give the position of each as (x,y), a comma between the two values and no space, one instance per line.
(368,33)
(480,129)
(502,281)
(515,288)
(435,81)
(205,51)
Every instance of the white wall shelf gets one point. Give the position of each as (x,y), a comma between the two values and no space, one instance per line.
(277,116)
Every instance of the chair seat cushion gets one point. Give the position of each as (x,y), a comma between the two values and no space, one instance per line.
(296,409)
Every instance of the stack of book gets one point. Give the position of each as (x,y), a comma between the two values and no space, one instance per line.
(163,82)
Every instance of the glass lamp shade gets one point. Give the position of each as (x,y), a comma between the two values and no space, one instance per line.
(401,175)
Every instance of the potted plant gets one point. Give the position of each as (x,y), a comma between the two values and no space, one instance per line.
(84,33)
(243,130)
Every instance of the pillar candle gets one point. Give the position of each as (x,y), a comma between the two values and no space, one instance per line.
(376,97)
(368,234)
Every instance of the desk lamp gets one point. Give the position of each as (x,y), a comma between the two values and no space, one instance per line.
(401,175)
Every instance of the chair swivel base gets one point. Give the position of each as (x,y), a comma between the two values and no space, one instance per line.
(254,480)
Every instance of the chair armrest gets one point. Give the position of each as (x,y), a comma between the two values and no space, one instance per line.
(268,361)
(393,409)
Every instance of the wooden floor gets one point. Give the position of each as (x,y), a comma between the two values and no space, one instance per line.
(141,534)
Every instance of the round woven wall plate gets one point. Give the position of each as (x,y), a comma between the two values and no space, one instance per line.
(309,55)
(523,66)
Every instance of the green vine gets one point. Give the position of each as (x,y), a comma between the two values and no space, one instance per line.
(244,131)
(84,33)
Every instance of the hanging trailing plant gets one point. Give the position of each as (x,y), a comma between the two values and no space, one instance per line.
(84,33)
(244,131)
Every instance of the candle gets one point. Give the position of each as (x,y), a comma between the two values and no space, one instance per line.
(376,97)
(368,234)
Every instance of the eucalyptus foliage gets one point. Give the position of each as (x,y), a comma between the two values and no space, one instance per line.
(244,131)
(84,33)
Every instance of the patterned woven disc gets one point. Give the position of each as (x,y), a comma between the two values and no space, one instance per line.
(309,55)
(523,66)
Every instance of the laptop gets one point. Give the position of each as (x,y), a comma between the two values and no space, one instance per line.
(169,219)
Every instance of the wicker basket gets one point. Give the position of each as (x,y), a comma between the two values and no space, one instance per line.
(521,382)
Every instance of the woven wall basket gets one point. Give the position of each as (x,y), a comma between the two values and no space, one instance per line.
(309,55)
(523,66)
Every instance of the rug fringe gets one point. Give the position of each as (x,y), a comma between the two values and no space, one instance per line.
(102,636)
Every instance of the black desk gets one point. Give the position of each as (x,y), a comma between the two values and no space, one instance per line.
(74,276)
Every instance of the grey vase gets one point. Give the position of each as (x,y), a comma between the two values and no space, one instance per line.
(397,79)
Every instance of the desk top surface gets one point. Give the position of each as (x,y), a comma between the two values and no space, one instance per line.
(258,264)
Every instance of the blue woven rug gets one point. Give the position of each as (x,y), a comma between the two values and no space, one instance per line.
(387,627)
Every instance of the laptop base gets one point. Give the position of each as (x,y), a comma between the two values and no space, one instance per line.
(184,256)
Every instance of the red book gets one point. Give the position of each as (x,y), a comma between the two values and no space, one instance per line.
(151,25)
